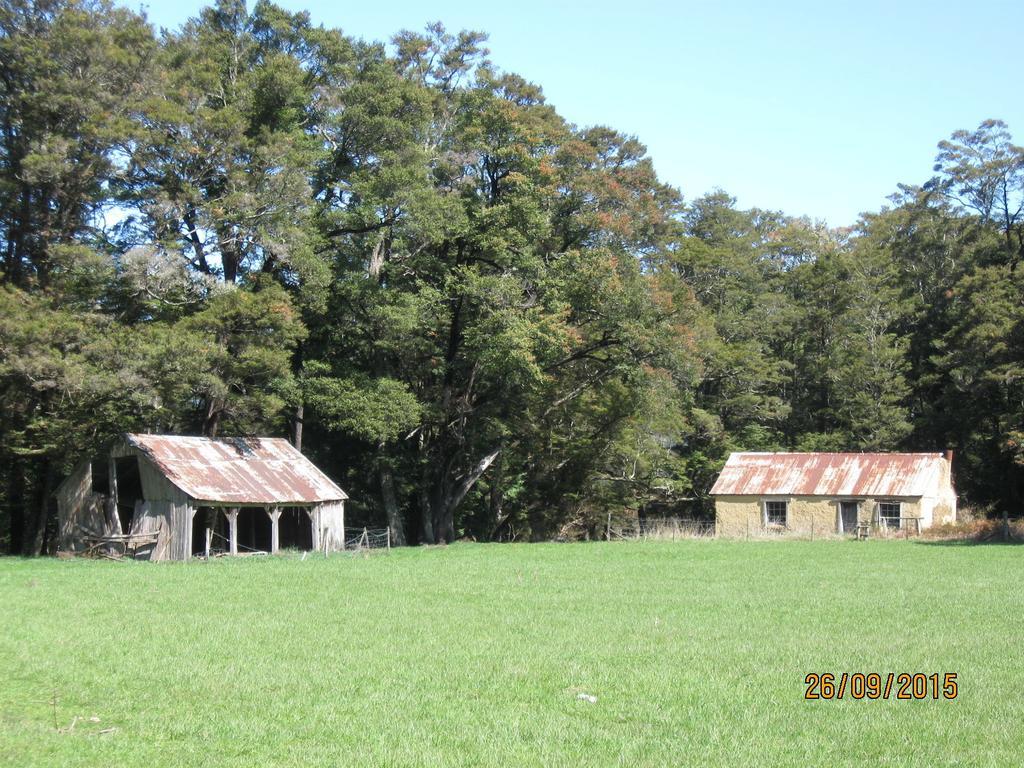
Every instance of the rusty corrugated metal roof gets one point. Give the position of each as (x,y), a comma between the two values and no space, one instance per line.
(831,474)
(240,470)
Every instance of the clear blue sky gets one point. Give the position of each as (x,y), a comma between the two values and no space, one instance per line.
(814,108)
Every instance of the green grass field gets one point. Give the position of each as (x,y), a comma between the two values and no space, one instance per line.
(475,655)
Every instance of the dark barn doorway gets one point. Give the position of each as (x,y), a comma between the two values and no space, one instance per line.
(208,517)
(295,529)
(254,530)
(129,489)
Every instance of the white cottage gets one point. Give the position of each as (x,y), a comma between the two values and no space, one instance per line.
(822,493)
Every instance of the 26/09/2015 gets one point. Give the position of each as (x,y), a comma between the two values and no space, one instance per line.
(903,686)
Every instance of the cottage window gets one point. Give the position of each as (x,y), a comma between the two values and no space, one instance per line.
(775,513)
(889,513)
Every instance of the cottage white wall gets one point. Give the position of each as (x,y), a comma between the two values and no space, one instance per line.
(739,516)
(945,506)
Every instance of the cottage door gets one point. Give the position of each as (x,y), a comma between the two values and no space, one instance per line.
(848,514)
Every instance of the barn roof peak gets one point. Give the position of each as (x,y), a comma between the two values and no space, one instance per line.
(242,470)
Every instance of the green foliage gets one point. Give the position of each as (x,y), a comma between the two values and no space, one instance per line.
(376,410)
(983,171)
(243,342)
(70,75)
(486,321)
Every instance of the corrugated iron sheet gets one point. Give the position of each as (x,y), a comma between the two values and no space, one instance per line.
(250,470)
(831,474)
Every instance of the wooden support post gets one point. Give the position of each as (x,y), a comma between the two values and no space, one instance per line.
(232,515)
(275,531)
(209,539)
(112,482)
(389,538)
(314,521)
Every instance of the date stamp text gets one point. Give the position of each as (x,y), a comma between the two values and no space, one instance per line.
(904,686)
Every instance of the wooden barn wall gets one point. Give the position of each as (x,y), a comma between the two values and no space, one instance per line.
(80,512)
(168,509)
(329,518)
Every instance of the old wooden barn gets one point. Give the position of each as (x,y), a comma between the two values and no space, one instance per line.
(175,497)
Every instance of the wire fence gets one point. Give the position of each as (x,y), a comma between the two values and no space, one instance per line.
(670,528)
(369,538)
(356,541)
(221,545)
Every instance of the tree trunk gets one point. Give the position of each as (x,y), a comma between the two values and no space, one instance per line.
(438,501)
(444,516)
(300,412)
(378,258)
(197,245)
(426,519)
(230,258)
(396,522)
(16,507)
(446,498)
(36,531)
(211,424)
(426,511)
(497,496)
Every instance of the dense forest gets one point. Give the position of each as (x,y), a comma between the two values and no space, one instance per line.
(479,318)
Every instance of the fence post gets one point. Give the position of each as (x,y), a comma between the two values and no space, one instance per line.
(1006,526)
(389,538)
(812,528)
(608,528)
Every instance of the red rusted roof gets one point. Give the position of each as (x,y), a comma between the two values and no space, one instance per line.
(831,474)
(240,470)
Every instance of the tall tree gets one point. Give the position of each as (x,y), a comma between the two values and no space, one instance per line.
(71,74)
(983,171)
(221,167)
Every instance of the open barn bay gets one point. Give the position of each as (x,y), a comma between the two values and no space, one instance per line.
(684,653)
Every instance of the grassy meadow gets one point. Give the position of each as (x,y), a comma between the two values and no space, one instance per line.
(475,655)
